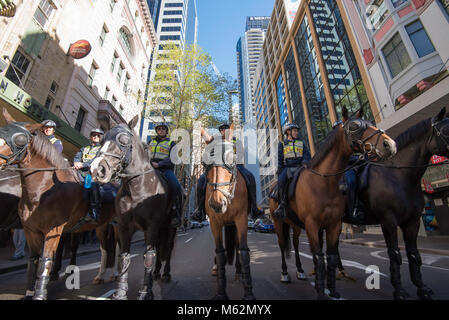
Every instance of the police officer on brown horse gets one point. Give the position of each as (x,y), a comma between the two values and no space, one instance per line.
(49,130)
(292,152)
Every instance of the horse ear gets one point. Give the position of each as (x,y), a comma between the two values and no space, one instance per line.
(359,113)
(34,127)
(133,122)
(344,114)
(441,115)
(7,116)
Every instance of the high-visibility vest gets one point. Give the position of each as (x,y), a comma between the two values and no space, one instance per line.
(53,140)
(160,149)
(90,152)
(293,149)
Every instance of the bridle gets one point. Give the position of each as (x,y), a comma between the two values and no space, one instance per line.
(354,129)
(228,164)
(442,133)
(17,137)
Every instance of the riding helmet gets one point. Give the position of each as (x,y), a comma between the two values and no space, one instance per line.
(97,130)
(290,126)
(49,123)
(161,124)
(223,126)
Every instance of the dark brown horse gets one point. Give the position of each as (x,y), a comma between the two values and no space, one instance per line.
(143,202)
(227,207)
(52,197)
(318,202)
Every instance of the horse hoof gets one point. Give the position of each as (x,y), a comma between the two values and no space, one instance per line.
(119,296)
(156,276)
(54,276)
(166,278)
(285,278)
(145,295)
(98,281)
(214,273)
(426,294)
(322,296)
(401,295)
(26,298)
(301,275)
(220,297)
(334,295)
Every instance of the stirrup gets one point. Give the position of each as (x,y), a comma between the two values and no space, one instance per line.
(280,211)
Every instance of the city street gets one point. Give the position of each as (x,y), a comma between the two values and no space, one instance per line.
(191,273)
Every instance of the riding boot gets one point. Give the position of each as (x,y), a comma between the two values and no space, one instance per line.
(176,212)
(200,213)
(94,204)
(254,210)
(281,211)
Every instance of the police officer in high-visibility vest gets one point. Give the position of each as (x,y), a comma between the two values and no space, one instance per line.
(250,181)
(49,130)
(82,162)
(292,152)
(160,147)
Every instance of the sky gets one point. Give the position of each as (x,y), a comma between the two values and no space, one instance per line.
(221,23)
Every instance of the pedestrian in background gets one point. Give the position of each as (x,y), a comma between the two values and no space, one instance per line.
(19,243)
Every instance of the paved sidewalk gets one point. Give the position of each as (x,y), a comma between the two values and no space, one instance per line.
(431,245)
(7,265)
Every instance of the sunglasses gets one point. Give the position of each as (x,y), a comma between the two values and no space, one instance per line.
(161,128)
(95,135)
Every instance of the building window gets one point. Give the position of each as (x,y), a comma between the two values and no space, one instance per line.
(171,29)
(43,12)
(173,5)
(397,3)
(172,20)
(49,102)
(112,5)
(377,13)
(54,87)
(104,31)
(163,38)
(106,93)
(172,12)
(282,104)
(114,101)
(18,68)
(419,38)
(120,73)
(125,38)
(126,83)
(80,119)
(396,55)
(445,4)
(114,60)
(90,78)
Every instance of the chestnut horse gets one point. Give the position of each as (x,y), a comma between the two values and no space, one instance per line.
(318,202)
(51,200)
(227,206)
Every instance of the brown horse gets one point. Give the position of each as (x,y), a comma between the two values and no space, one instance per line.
(318,202)
(52,197)
(227,206)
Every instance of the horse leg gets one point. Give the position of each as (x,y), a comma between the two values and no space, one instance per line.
(43,272)
(389,229)
(34,241)
(410,233)
(74,243)
(166,277)
(157,267)
(124,260)
(300,274)
(146,292)
(220,260)
(332,235)
(54,274)
(238,270)
(318,258)
(243,255)
(283,246)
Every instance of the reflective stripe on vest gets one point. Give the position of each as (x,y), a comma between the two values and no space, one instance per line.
(53,140)
(160,149)
(293,149)
(90,152)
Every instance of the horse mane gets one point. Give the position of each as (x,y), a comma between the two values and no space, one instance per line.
(412,133)
(42,147)
(323,148)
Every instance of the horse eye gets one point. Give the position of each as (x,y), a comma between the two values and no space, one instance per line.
(123,139)
(20,140)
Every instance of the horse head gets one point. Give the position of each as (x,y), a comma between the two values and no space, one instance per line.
(15,138)
(438,142)
(221,171)
(114,157)
(363,137)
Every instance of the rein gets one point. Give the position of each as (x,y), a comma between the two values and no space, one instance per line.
(355,165)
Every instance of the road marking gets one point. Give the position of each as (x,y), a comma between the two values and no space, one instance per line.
(376,254)
(189,240)
(106,295)
(182,234)
(347,263)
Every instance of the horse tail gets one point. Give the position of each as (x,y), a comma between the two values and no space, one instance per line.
(286,238)
(230,234)
(110,246)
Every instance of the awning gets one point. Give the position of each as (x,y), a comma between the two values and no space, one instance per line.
(7,8)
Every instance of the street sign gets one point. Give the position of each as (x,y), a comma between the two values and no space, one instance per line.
(80,49)
(437,159)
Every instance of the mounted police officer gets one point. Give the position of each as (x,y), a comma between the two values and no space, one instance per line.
(82,162)
(199,214)
(292,152)
(49,130)
(160,147)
